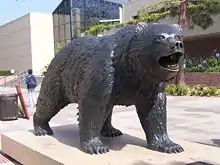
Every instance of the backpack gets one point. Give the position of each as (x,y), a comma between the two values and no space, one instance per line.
(31,81)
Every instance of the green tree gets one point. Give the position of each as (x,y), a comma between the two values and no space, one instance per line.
(59,46)
(199,13)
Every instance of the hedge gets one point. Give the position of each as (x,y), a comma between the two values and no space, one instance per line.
(5,73)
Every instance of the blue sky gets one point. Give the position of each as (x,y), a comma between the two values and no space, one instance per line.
(12,9)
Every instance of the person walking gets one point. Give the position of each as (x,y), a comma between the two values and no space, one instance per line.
(31,83)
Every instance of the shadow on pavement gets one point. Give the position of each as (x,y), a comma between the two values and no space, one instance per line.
(69,135)
(216,142)
(175,163)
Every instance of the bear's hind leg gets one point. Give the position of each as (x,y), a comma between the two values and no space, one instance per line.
(108,130)
(49,103)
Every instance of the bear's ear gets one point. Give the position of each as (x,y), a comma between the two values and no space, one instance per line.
(178,28)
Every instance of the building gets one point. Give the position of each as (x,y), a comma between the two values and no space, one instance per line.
(198,42)
(92,12)
(27,42)
(131,7)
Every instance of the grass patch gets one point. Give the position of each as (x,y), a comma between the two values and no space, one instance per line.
(5,73)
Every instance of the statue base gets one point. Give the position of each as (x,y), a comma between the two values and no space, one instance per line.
(129,149)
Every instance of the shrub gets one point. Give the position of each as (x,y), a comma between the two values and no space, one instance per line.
(198,90)
(210,64)
(59,46)
(177,90)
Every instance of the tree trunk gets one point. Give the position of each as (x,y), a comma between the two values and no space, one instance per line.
(180,80)
(182,20)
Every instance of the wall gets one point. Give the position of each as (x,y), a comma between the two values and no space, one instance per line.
(209,79)
(202,47)
(42,43)
(202,78)
(199,42)
(62,23)
(197,31)
(15,46)
(131,8)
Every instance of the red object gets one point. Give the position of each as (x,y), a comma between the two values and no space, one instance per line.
(18,88)
(183,8)
(3,160)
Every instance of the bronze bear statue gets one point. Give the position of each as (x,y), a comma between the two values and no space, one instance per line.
(129,67)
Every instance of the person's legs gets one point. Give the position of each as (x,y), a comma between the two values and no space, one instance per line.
(31,101)
(34,97)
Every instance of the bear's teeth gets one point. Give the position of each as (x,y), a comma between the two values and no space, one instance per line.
(171,66)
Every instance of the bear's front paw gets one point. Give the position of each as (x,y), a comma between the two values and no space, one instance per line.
(94,146)
(43,130)
(166,146)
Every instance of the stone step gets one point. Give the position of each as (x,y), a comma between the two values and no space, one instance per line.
(5,161)
(129,149)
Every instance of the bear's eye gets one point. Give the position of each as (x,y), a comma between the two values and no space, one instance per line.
(161,37)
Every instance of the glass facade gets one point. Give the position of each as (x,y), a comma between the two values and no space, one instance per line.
(62,24)
(94,10)
(91,12)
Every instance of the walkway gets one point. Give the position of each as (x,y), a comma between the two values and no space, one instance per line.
(191,118)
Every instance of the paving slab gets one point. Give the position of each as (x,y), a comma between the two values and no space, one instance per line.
(129,149)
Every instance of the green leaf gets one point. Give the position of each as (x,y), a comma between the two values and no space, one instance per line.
(198,13)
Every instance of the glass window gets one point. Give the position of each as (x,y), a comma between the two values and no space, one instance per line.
(55,19)
(67,31)
(61,19)
(67,18)
(62,33)
(56,34)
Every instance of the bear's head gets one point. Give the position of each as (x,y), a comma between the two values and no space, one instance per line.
(157,50)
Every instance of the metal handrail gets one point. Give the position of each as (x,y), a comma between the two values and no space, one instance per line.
(20,77)
(16,77)
(4,77)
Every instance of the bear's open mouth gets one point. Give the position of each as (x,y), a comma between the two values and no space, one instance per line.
(170,62)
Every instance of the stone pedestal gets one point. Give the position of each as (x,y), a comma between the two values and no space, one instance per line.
(129,149)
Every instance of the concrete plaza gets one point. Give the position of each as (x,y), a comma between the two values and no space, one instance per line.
(194,119)
(190,118)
